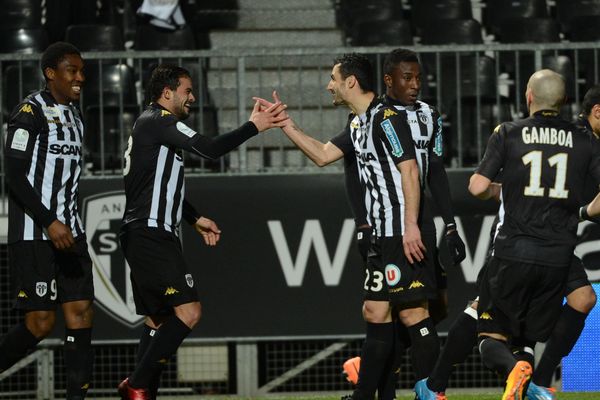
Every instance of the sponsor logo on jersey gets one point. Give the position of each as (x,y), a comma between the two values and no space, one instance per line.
(26,109)
(354,125)
(392,137)
(485,315)
(365,157)
(438,145)
(102,215)
(41,288)
(22,294)
(189,280)
(65,149)
(20,140)
(388,113)
(51,113)
(171,291)
(186,130)
(415,285)
(392,274)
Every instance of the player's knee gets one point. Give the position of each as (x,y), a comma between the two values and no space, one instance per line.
(583,299)
(78,314)
(40,323)
(374,313)
(412,316)
(189,314)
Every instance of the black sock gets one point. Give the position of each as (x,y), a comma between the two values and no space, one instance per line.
(496,355)
(386,389)
(145,340)
(561,342)
(425,347)
(523,350)
(79,359)
(376,351)
(15,345)
(166,341)
(462,337)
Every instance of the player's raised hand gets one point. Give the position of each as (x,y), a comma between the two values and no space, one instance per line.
(209,230)
(265,104)
(414,249)
(267,117)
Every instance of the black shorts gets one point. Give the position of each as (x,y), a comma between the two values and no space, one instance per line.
(577,276)
(160,278)
(520,299)
(389,276)
(45,276)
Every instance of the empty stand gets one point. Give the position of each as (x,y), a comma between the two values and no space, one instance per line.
(31,80)
(568,10)
(425,12)
(453,31)
(20,14)
(497,11)
(374,33)
(117,83)
(150,38)
(93,37)
(23,41)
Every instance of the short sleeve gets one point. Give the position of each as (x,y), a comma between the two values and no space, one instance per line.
(24,125)
(343,141)
(391,128)
(594,166)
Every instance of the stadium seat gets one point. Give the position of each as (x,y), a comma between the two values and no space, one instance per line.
(150,38)
(373,33)
(567,10)
(207,15)
(20,14)
(425,12)
(529,30)
(497,11)
(453,31)
(112,139)
(351,12)
(117,82)
(91,37)
(31,78)
(23,41)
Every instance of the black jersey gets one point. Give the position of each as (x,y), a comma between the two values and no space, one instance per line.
(154,174)
(48,136)
(545,161)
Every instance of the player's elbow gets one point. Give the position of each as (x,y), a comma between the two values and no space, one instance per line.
(478,186)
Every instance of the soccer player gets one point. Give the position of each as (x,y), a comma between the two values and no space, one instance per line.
(47,246)
(379,137)
(163,287)
(524,282)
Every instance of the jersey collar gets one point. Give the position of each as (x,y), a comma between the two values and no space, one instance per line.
(546,114)
(393,102)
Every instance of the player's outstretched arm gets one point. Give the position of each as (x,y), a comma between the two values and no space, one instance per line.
(411,188)
(209,230)
(481,187)
(320,153)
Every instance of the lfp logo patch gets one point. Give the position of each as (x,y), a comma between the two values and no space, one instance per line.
(392,274)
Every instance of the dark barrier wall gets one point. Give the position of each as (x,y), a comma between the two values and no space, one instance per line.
(286,264)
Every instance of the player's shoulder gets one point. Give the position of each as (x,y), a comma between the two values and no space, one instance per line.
(28,110)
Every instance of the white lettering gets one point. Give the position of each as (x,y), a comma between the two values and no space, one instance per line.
(331,270)
(547,136)
(108,242)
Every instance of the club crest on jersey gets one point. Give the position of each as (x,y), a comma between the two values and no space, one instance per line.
(41,288)
(392,274)
(423,118)
(388,113)
(189,280)
(392,137)
(113,293)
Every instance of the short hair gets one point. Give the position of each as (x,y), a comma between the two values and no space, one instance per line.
(359,66)
(164,75)
(591,98)
(55,53)
(395,57)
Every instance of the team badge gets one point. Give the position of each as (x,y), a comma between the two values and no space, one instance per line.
(186,130)
(102,215)
(189,280)
(423,118)
(392,274)
(41,288)
(20,140)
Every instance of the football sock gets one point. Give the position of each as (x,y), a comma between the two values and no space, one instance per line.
(166,341)
(376,351)
(425,347)
(496,355)
(145,340)
(523,350)
(79,359)
(15,344)
(561,342)
(386,390)
(462,337)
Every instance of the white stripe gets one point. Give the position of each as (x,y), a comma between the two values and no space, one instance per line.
(28,223)
(160,166)
(171,188)
(500,221)
(471,312)
(180,205)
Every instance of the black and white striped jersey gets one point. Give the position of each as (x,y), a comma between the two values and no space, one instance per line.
(49,137)
(154,174)
(380,141)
